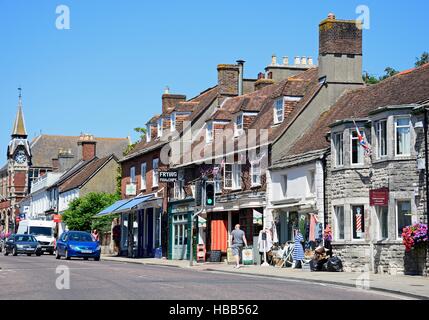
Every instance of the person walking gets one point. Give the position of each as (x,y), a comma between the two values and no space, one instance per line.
(95,235)
(238,238)
(116,236)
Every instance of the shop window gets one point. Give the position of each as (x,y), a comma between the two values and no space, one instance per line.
(357,151)
(403,136)
(339,223)
(383,228)
(339,149)
(358,218)
(382,138)
(124,232)
(403,211)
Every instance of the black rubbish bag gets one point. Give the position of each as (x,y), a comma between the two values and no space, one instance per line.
(335,265)
(318,265)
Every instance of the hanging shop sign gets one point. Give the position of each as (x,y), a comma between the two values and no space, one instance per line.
(379,197)
(131,189)
(168,176)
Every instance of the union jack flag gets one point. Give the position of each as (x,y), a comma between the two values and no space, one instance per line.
(362,141)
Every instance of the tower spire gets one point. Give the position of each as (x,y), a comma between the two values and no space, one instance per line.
(19,125)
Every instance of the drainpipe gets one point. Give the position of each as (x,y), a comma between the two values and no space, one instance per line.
(240,76)
(425,126)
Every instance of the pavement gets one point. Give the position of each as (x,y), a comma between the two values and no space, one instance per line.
(45,278)
(411,286)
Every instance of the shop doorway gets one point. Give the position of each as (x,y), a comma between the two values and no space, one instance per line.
(180,237)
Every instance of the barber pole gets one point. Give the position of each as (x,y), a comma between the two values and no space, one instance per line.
(358,224)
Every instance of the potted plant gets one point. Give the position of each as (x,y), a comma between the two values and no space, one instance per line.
(415,239)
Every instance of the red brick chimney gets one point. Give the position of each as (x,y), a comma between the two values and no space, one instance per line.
(169,101)
(87,144)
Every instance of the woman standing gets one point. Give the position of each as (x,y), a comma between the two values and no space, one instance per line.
(298,253)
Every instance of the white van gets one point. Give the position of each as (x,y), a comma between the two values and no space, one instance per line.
(42,230)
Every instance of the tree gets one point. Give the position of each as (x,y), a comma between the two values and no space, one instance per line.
(424,58)
(388,72)
(80,216)
(142,132)
(369,79)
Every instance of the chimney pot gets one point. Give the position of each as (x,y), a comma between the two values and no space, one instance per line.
(297,60)
(304,60)
(166,90)
(331,16)
(285,60)
(273,60)
(310,61)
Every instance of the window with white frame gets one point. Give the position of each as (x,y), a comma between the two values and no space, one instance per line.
(279,110)
(209,132)
(133,175)
(232,176)
(383,227)
(155,172)
(143,176)
(339,149)
(403,136)
(148,133)
(358,222)
(403,215)
(381,138)
(357,151)
(339,231)
(173,122)
(160,124)
(255,168)
(179,186)
(217,177)
(311,176)
(239,125)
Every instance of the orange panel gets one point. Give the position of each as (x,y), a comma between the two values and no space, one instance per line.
(219,235)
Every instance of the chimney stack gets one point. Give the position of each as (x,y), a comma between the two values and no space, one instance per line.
(87,144)
(228,81)
(169,101)
(240,64)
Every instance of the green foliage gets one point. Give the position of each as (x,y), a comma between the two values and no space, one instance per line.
(142,132)
(81,212)
(388,72)
(370,79)
(424,58)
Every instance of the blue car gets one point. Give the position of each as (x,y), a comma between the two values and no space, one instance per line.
(78,244)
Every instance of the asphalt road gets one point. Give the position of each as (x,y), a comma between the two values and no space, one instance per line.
(33,277)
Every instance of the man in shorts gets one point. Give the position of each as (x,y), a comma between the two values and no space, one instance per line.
(238,238)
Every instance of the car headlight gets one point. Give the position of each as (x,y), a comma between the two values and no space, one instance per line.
(74,247)
(52,243)
(19,246)
(98,248)
(39,246)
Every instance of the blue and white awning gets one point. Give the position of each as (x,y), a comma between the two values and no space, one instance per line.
(124,205)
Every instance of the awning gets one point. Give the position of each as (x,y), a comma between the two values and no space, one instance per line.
(112,208)
(133,203)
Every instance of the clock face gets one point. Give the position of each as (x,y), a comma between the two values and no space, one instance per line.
(20,157)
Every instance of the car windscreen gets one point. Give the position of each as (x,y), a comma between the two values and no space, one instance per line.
(25,238)
(41,231)
(80,237)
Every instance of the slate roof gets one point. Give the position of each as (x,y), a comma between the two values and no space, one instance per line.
(408,87)
(78,176)
(44,148)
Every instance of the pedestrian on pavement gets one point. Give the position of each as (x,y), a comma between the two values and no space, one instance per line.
(238,238)
(95,235)
(116,235)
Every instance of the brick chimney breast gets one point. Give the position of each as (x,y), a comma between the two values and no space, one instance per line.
(87,144)
(169,101)
(339,37)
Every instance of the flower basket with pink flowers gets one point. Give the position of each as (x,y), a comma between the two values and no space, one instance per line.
(415,236)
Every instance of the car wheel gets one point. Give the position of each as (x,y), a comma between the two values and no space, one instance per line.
(29,254)
(5,252)
(14,252)
(51,253)
(97,259)
(67,255)
(38,254)
(57,256)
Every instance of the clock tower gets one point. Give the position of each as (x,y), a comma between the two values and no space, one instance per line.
(18,164)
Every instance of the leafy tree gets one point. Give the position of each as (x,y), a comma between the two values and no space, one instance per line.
(424,58)
(142,132)
(388,72)
(370,79)
(81,214)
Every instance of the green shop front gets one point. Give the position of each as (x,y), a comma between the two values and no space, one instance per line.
(180,222)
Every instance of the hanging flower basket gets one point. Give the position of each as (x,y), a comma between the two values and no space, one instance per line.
(415,236)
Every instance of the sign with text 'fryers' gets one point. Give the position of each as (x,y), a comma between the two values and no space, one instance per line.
(168,176)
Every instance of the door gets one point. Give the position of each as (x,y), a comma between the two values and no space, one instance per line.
(180,237)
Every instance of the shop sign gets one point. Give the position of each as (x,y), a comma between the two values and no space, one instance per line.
(379,197)
(131,189)
(181,209)
(168,176)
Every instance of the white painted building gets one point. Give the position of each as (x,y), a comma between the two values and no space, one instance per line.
(295,191)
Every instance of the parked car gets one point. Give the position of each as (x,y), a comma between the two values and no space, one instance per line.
(78,244)
(22,243)
(42,230)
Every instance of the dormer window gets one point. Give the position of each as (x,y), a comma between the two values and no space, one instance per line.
(159,127)
(209,132)
(238,125)
(279,110)
(173,122)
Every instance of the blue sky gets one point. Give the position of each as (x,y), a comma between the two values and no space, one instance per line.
(106,74)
